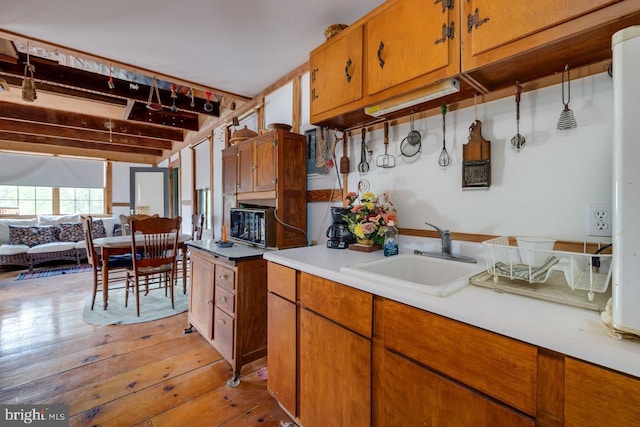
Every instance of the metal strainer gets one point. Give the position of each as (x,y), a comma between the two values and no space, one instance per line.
(566,120)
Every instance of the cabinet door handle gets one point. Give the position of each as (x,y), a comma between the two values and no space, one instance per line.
(346,70)
(380,60)
(222,277)
(211,302)
(222,299)
(221,321)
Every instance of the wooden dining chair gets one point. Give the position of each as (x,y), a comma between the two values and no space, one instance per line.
(117,264)
(197,225)
(125,227)
(155,240)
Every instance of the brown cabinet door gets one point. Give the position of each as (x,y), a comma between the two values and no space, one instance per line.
(406,394)
(201,303)
(336,71)
(507,27)
(281,351)
(598,397)
(335,374)
(401,44)
(229,169)
(266,164)
(246,162)
(223,327)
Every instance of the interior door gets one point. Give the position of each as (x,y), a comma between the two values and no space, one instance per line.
(149,191)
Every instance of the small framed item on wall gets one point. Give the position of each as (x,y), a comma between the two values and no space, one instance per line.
(319,159)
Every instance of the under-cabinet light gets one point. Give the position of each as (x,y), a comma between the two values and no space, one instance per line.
(446,87)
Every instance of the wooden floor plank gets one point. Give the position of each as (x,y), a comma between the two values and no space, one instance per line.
(144,374)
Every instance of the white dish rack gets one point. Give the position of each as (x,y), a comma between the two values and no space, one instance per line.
(504,260)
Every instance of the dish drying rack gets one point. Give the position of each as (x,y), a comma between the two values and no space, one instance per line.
(504,260)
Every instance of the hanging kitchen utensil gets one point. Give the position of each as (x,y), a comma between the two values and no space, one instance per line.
(344,160)
(411,144)
(566,120)
(174,96)
(444,159)
(518,140)
(154,106)
(110,82)
(386,160)
(363,166)
(28,84)
(193,98)
(476,159)
(208,106)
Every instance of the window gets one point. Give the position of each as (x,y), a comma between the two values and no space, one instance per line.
(30,200)
(81,200)
(204,201)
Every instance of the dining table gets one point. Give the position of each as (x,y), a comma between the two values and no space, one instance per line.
(119,245)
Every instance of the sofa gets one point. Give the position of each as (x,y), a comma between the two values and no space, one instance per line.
(32,241)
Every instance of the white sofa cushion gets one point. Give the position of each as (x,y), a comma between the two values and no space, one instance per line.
(57,219)
(6,222)
(13,249)
(52,247)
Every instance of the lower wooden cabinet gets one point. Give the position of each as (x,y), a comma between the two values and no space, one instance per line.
(228,306)
(407,394)
(344,357)
(335,374)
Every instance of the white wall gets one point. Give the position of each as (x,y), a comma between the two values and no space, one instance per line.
(120,194)
(542,190)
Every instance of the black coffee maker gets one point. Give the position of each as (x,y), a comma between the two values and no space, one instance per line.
(339,236)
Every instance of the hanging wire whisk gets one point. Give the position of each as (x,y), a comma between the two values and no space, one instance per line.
(566,120)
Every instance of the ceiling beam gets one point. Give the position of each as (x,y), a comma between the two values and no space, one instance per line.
(24,112)
(140,113)
(53,74)
(81,134)
(74,143)
(26,147)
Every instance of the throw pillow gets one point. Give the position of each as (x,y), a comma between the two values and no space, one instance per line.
(97,229)
(32,236)
(71,232)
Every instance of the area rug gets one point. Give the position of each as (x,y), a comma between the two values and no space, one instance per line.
(48,272)
(153,306)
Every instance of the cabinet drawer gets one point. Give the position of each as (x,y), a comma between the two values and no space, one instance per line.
(225,278)
(223,333)
(225,300)
(352,308)
(281,281)
(498,366)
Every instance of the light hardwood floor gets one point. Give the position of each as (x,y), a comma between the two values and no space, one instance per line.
(148,374)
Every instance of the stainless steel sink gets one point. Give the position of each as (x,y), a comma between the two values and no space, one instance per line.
(434,276)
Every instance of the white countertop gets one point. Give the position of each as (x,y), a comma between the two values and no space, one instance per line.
(568,330)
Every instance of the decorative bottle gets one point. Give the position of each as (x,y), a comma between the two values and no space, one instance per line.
(390,240)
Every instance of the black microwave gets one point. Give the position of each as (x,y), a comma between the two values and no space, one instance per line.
(256,226)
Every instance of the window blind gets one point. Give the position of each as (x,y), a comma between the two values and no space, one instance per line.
(203,165)
(50,171)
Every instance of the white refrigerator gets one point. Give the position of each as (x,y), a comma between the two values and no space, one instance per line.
(626,179)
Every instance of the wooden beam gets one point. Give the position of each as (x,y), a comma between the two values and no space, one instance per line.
(29,128)
(85,83)
(27,147)
(33,113)
(74,143)
(178,119)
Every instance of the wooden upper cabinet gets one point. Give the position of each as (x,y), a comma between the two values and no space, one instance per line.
(229,169)
(266,164)
(505,40)
(336,71)
(406,41)
(245,164)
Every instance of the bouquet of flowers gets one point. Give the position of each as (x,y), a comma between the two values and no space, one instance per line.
(368,220)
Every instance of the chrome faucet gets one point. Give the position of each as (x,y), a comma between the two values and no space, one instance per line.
(445,237)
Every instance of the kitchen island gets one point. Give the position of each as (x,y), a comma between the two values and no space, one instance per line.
(228,301)
(558,352)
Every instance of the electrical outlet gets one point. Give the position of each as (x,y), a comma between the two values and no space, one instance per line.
(599,219)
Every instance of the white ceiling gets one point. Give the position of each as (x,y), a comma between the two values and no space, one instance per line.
(239,46)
